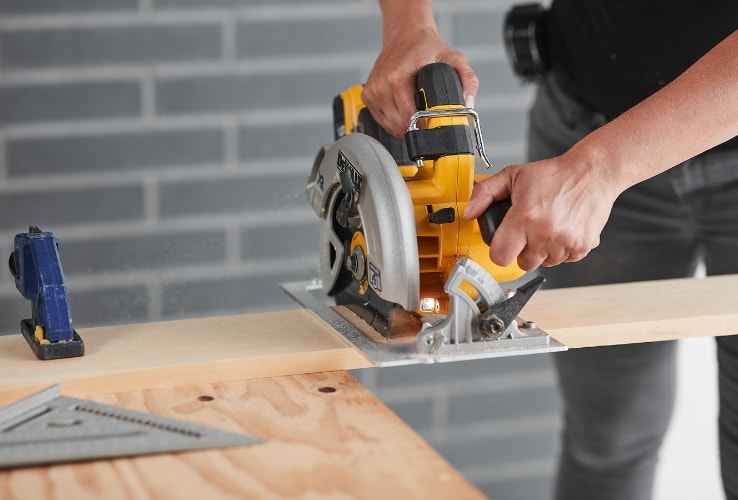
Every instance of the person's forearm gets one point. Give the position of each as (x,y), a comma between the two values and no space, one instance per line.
(695,112)
(402,16)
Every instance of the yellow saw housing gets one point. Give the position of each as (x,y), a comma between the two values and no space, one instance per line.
(437,187)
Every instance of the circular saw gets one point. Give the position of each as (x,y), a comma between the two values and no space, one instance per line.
(394,248)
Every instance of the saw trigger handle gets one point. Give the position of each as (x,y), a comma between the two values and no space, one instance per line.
(491,219)
(438,91)
(438,85)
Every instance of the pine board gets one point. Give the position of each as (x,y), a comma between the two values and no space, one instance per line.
(172,353)
(645,311)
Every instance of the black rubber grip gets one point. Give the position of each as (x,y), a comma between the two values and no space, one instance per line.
(442,141)
(491,219)
(438,84)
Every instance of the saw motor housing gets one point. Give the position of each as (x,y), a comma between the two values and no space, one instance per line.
(437,164)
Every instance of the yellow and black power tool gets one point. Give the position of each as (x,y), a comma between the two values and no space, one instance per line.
(392,239)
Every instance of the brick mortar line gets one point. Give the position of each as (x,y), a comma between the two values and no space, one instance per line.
(155,301)
(66,21)
(251,219)
(147,85)
(255,268)
(113,231)
(100,73)
(289,12)
(227,65)
(278,64)
(272,65)
(233,243)
(192,121)
(213,68)
(150,201)
(114,178)
(185,121)
(231,144)
(165,175)
(229,41)
(3,158)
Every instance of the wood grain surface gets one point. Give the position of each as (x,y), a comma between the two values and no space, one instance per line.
(172,353)
(646,311)
(326,437)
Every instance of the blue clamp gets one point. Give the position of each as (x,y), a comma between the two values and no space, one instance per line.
(36,266)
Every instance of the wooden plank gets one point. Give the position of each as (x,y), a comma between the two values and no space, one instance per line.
(167,354)
(182,352)
(326,437)
(646,311)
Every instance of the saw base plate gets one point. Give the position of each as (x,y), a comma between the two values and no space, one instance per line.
(403,350)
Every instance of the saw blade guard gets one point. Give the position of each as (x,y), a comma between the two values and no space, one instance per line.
(379,206)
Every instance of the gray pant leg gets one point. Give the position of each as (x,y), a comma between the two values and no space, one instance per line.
(728,419)
(718,224)
(618,400)
(656,230)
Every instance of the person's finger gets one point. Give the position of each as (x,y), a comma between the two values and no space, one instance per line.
(508,243)
(469,83)
(529,258)
(491,189)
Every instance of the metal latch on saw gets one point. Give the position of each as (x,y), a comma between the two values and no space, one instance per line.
(48,428)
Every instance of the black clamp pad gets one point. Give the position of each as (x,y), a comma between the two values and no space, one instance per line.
(431,144)
(53,350)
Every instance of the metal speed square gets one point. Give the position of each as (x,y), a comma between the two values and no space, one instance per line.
(48,428)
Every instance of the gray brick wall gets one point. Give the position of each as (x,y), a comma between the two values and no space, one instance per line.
(167,143)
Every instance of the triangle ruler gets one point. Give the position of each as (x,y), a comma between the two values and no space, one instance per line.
(48,428)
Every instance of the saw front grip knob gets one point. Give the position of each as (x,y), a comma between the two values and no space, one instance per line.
(36,267)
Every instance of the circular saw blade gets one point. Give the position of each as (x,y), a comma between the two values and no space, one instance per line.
(357,177)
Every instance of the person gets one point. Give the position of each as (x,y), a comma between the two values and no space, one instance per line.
(632,175)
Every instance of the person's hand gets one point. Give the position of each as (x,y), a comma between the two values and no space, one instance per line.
(559,208)
(389,89)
